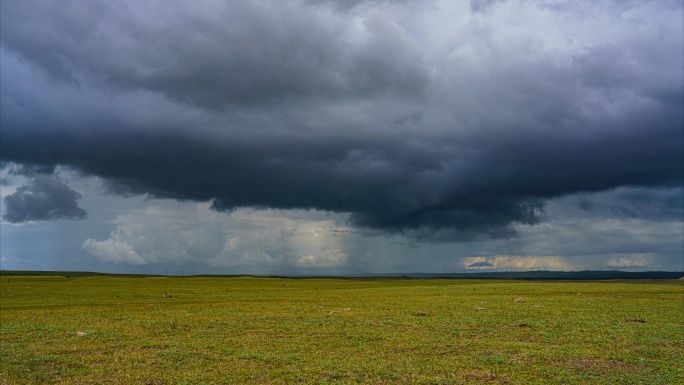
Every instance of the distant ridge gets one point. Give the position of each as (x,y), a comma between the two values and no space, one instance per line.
(532,275)
(561,275)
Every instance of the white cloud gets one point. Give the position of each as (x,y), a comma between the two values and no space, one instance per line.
(630,261)
(188,232)
(113,251)
(518,263)
(328,258)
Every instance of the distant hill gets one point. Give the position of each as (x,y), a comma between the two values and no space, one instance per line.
(72,274)
(533,275)
(553,275)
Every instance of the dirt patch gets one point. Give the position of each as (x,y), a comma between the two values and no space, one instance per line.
(641,320)
(489,377)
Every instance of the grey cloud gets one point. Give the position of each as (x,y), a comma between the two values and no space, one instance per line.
(351,4)
(423,123)
(612,226)
(652,204)
(28,170)
(483,5)
(45,197)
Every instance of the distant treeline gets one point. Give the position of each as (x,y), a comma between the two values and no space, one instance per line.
(535,275)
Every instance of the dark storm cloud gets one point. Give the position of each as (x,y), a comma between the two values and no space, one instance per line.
(11,169)
(236,54)
(45,197)
(413,122)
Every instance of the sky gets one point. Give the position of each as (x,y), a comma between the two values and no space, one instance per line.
(341,137)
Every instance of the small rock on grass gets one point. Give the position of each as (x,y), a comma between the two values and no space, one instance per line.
(81,334)
(519,300)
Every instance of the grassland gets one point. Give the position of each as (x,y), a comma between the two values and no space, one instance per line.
(119,330)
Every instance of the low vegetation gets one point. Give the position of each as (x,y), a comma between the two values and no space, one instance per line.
(209,330)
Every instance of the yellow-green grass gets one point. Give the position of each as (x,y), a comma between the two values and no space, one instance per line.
(346,331)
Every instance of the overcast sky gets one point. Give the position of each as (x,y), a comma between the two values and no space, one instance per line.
(341,137)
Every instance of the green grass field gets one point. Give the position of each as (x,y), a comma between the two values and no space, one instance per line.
(339,331)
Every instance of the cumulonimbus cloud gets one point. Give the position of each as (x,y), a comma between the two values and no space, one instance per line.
(441,121)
